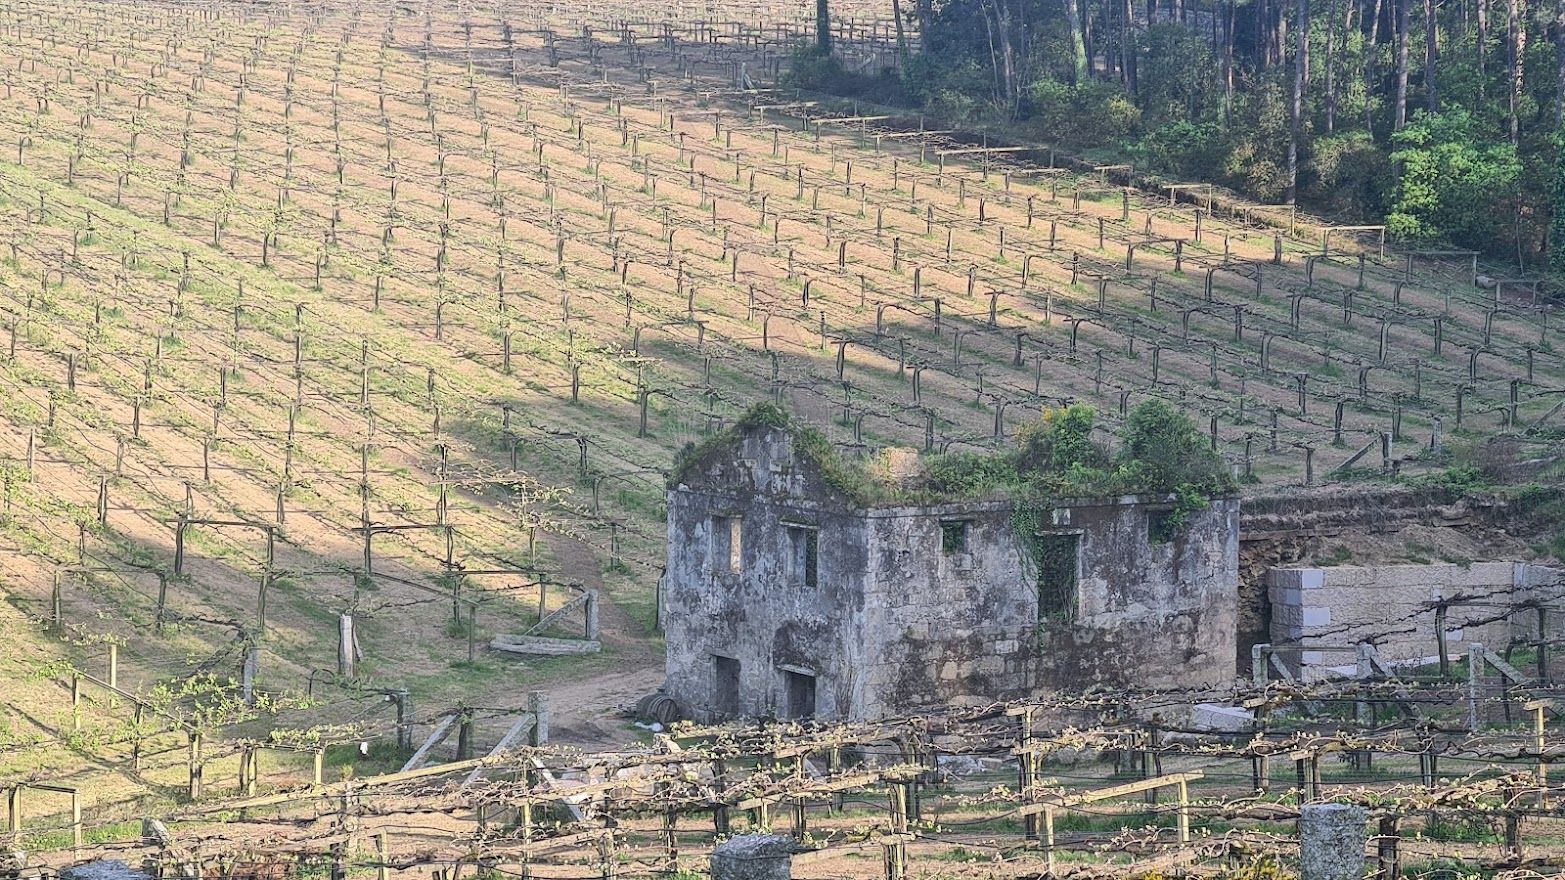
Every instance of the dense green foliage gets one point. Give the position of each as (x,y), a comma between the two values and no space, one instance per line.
(1161,452)
(1557,197)
(1468,153)
(1449,167)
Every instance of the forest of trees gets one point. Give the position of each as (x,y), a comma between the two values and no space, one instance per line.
(1445,117)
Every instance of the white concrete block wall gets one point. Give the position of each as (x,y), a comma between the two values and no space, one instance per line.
(1391,606)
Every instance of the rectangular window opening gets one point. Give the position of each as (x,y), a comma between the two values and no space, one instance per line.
(800,695)
(1161,526)
(804,547)
(953,536)
(1057,564)
(727,544)
(725,686)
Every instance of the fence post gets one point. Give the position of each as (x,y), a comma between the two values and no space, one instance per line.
(1386,848)
(1538,743)
(382,869)
(1475,661)
(538,705)
(194,767)
(76,822)
(1048,840)
(345,642)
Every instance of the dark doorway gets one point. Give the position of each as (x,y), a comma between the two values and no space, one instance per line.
(1057,577)
(801,695)
(725,686)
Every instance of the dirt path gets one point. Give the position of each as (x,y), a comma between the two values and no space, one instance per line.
(587,708)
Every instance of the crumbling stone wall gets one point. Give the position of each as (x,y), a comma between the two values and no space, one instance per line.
(758,616)
(901,620)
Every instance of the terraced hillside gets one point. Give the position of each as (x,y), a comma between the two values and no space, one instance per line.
(402,310)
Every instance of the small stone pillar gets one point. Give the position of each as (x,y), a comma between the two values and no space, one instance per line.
(754,857)
(538,704)
(1331,841)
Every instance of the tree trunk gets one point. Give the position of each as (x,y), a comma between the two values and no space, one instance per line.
(1089,36)
(1228,62)
(994,55)
(1331,64)
(1399,115)
(1370,68)
(1127,46)
(1007,57)
(823,26)
(1301,66)
(1559,85)
(1078,38)
(1516,45)
(1263,40)
(1280,35)
(1483,50)
(896,18)
(1431,58)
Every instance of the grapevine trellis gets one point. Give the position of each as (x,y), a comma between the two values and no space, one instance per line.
(364,297)
(1004,780)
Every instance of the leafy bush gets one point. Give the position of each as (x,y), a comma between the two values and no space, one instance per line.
(1458,179)
(1080,115)
(813,70)
(1163,453)
(1257,164)
(967,474)
(1169,452)
(1058,441)
(1457,478)
(1181,148)
(1348,175)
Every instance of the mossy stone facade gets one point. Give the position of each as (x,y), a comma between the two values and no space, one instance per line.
(784,598)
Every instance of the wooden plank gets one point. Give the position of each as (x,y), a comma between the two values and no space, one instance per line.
(962,151)
(543,624)
(522,725)
(57,789)
(435,738)
(897,135)
(567,799)
(299,794)
(1103,794)
(1504,668)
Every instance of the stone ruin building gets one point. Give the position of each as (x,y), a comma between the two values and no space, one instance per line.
(784,598)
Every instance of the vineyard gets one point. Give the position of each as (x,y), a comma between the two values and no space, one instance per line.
(344,341)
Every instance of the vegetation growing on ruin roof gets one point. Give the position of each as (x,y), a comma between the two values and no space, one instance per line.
(851,478)
(1055,457)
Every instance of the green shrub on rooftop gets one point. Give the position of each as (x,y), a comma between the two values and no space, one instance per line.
(1055,456)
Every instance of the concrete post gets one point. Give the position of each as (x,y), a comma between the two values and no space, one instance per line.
(1331,841)
(345,640)
(538,705)
(753,857)
(590,611)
